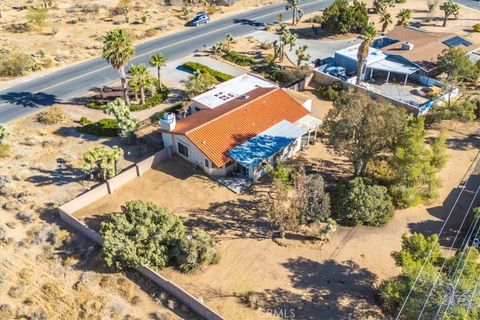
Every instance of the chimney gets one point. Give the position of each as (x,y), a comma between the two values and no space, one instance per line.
(168,121)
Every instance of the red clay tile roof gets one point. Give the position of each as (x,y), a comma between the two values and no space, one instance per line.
(217,131)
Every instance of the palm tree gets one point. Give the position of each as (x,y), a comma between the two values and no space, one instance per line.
(404,16)
(386,19)
(368,35)
(158,60)
(139,76)
(118,50)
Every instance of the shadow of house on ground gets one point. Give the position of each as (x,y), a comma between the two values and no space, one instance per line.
(29,100)
(234,219)
(331,290)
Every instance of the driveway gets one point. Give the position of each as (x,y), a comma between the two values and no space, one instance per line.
(318,49)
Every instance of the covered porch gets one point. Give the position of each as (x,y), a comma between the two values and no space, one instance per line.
(402,68)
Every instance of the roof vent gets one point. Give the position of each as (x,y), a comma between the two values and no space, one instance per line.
(244,97)
(407,46)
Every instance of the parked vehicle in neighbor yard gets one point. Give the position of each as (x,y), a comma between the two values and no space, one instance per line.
(199,19)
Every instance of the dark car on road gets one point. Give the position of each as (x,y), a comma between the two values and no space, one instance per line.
(199,19)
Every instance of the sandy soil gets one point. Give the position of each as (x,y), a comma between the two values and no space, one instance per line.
(312,279)
(43,269)
(70,35)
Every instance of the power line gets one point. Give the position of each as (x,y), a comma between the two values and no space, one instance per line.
(449,250)
(431,249)
(459,278)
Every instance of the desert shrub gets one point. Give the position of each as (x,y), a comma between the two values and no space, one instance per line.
(195,66)
(281,74)
(315,19)
(15,64)
(239,58)
(106,127)
(18,27)
(52,116)
(331,92)
(25,217)
(362,202)
(195,252)
(266,45)
(310,199)
(37,16)
(5,150)
(439,151)
(150,32)
(476,27)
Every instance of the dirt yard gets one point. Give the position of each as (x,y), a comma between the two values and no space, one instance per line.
(43,268)
(312,279)
(73,30)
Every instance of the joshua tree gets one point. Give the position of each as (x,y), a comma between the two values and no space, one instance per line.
(386,19)
(139,76)
(4,132)
(404,16)
(286,38)
(127,124)
(118,50)
(101,162)
(449,8)
(158,60)
(367,36)
(302,55)
(218,48)
(297,13)
(229,39)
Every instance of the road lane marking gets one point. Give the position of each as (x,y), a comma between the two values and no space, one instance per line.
(157,49)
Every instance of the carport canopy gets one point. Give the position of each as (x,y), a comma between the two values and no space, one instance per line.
(266,144)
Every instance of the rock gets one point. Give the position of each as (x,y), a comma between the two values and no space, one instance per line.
(4,179)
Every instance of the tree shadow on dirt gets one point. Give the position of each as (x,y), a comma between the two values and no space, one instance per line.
(330,290)
(233,219)
(454,207)
(59,176)
(465,143)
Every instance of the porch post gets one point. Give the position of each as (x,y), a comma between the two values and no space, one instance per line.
(388,77)
(406,78)
(371,73)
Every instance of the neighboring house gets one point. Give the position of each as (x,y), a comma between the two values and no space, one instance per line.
(399,66)
(243,133)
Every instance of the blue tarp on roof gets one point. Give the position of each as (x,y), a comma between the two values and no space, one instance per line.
(266,144)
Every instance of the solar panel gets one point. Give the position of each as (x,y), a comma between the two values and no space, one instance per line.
(457,41)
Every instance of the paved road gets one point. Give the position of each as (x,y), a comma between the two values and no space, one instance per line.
(76,80)
(475,4)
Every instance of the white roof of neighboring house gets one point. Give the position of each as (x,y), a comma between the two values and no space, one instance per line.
(374,55)
(231,89)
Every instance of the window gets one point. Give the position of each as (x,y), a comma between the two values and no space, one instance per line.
(207,163)
(183,149)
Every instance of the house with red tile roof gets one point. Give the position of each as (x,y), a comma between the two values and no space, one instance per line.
(243,133)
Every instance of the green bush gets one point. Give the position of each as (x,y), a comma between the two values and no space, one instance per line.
(476,27)
(362,202)
(146,234)
(151,101)
(340,17)
(103,128)
(239,58)
(94,104)
(315,19)
(331,92)
(194,66)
